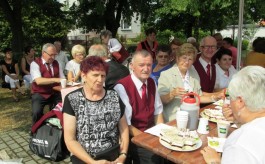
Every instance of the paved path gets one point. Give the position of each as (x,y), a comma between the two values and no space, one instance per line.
(15,143)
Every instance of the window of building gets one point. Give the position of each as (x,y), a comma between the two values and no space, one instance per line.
(125,25)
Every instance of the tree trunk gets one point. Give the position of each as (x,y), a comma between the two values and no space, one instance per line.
(113,17)
(12,12)
(196,29)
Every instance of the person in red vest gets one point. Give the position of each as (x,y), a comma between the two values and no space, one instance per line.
(46,74)
(149,44)
(143,104)
(204,65)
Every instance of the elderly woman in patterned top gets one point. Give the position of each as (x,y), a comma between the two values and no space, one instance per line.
(95,129)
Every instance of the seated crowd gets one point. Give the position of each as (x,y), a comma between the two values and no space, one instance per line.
(122,101)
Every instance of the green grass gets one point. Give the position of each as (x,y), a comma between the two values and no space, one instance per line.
(14,115)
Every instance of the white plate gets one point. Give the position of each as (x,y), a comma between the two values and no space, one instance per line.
(167,145)
(73,83)
(216,143)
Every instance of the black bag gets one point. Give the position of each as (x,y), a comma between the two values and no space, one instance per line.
(48,143)
(109,154)
(47,140)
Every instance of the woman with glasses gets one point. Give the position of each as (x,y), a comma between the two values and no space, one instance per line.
(73,66)
(179,80)
(224,68)
(162,62)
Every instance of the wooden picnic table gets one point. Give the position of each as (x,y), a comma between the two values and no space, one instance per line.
(151,142)
(59,87)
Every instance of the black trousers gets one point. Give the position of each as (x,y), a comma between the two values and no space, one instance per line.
(38,102)
(139,155)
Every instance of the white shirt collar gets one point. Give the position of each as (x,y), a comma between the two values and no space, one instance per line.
(138,83)
(220,69)
(203,62)
(107,60)
(43,61)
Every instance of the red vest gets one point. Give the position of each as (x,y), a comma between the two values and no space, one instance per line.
(142,116)
(46,90)
(206,83)
(144,45)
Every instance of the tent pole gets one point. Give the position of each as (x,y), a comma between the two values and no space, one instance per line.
(239,34)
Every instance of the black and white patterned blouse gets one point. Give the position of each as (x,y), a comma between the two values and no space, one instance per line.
(96,121)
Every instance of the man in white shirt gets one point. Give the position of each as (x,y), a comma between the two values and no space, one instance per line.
(204,65)
(45,74)
(143,104)
(61,56)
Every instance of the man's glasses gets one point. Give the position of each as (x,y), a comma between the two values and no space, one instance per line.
(51,55)
(209,47)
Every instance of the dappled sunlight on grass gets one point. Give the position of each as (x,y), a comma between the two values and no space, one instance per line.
(14,115)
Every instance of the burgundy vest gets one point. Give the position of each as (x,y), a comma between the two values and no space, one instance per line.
(142,116)
(46,90)
(206,83)
(152,51)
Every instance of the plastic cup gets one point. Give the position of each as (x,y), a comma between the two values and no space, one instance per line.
(63,83)
(182,119)
(222,128)
(203,127)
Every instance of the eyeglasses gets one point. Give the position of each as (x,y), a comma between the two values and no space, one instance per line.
(51,55)
(209,47)
(79,54)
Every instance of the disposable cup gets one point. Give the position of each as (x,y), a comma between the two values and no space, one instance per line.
(63,83)
(182,119)
(203,127)
(227,100)
(222,128)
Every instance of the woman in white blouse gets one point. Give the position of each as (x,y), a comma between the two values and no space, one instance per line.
(73,66)
(224,69)
(112,43)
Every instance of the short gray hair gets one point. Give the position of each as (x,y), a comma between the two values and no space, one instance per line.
(46,46)
(249,83)
(142,53)
(191,40)
(202,43)
(98,50)
(106,33)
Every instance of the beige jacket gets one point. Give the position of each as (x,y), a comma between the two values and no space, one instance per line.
(171,79)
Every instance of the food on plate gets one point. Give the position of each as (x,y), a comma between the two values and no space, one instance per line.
(219,102)
(213,114)
(179,139)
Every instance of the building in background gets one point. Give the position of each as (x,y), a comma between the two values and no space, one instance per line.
(127,29)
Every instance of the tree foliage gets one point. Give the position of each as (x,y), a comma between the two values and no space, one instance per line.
(99,14)
(34,23)
(207,15)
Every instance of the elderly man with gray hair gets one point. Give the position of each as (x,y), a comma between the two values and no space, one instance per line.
(46,74)
(246,144)
(116,71)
